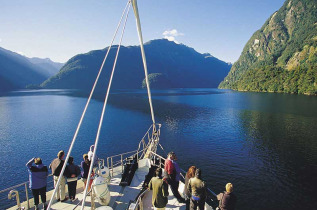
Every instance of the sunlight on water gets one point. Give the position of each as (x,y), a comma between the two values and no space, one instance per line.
(265,144)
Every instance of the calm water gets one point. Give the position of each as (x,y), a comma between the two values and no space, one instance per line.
(265,144)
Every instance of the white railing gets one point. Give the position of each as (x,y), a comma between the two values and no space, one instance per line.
(149,140)
(17,194)
(161,163)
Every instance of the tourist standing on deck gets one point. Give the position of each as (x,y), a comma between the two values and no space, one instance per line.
(73,173)
(85,164)
(172,173)
(190,174)
(227,200)
(160,190)
(198,191)
(56,167)
(38,180)
(90,155)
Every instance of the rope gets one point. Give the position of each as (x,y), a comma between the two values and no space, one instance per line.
(85,109)
(138,24)
(104,107)
(163,149)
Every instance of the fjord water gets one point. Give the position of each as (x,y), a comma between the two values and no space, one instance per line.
(263,143)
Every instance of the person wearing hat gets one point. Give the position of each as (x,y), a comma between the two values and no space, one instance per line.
(38,180)
(56,167)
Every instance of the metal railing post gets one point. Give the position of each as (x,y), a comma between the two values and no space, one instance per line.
(112,166)
(27,195)
(108,162)
(121,164)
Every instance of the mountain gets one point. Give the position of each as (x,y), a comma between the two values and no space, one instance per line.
(16,71)
(170,65)
(282,55)
(47,64)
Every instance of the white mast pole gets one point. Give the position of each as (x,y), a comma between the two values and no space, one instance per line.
(138,25)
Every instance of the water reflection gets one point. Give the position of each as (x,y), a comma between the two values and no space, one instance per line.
(285,146)
(263,143)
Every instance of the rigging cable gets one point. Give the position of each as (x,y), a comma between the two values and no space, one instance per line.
(85,109)
(103,111)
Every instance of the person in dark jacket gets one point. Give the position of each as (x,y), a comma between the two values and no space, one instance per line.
(56,167)
(160,190)
(73,171)
(38,180)
(227,200)
(85,164)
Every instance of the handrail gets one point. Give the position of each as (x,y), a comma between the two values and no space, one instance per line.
(214,194)
(26,188)
(122,154)
(19,185)
(144,144)
(140,198)
(139,153)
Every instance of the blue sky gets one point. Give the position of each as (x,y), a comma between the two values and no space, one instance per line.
(60,29)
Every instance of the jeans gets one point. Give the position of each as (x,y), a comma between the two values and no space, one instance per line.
(194,204)
(36,193)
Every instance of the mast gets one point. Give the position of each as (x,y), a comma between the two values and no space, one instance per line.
(155,135)
(138,25)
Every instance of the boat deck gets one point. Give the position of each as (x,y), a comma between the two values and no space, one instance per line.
(120,195)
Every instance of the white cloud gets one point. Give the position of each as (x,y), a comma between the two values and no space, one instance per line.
(0,39)
(171,34)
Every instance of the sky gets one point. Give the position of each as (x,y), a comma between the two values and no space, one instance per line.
(61,29)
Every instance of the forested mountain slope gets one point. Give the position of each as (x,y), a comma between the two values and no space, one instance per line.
(282,55)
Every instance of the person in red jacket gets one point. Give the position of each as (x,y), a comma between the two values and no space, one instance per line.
(170,176)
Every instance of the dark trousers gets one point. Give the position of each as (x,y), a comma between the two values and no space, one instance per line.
(187,203)
(37,192)
(194,204)
(72,189)
(174,187)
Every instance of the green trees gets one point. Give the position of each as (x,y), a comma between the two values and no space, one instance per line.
(282,55)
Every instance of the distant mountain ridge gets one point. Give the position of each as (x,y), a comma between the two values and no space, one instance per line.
(282,55)
(18,71)
(47,64)
(170,65)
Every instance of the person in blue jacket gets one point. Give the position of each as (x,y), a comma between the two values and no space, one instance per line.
(38,180)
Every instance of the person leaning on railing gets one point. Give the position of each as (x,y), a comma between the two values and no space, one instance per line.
(171,175)
(227,200)
(38,180)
